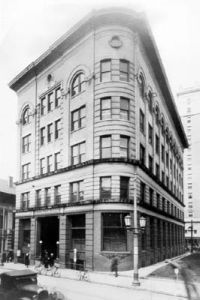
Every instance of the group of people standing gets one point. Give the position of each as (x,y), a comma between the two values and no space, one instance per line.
(47,260)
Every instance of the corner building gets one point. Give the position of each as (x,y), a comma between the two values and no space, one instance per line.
(98,127)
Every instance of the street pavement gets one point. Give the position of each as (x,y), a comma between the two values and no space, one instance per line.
(156,285)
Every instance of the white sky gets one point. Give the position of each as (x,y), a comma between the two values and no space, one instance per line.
(29,27)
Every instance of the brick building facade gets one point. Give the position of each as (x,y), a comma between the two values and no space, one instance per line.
(97,128)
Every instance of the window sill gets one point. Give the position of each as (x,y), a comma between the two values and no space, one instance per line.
(73,131)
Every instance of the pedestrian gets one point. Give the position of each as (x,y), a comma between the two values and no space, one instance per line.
(51,260)
(114,266)
(27,260)
(46,259)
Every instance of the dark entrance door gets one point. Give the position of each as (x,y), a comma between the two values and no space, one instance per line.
(49,235)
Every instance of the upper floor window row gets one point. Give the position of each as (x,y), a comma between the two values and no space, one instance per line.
(47,133)
(50,101)
(106,146)
(106,70)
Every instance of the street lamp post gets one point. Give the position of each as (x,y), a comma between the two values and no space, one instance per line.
(57,249)
(135,231)
(40,242)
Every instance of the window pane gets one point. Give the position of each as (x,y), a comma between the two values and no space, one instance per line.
(105,66)
(82,148)
(124,66)
(106,103)
(106,141)
(124,142)
(106,153)
(105,76)
(124,103)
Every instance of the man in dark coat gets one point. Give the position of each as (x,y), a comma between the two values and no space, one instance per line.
(27,260)
(114,266)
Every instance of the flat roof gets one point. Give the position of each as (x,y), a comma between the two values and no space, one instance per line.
(136,21)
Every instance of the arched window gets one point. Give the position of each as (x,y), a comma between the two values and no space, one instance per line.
(78,84)
(26,115)
(141,85)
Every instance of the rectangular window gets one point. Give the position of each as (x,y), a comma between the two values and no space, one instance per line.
(49,163)
(167,159)
(42,166)
(167,181)
(105,146)
(150,164)
(38,197)
(77,191)
(42,106)
(57,194)
(163,177)
(26,142)
(105,106)
(78,118)
(151,196)
(170,164)
(142,191)
(78,153)
(105,188)
(163,204)
(25,200)
(124,108)
(47,198)
(105,70)
(142,121)
(142,154)
(26,171)
(163,153)
(50,102)
(50,132)
(157,171)
(114,232)
(124,188)
(157,145)
(77,232)
(57,161)
(150,135)
(124,70)
(124,146)
(158,200)
(42,136)
(57,129)
(57,97)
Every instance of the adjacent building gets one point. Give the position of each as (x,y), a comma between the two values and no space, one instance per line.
(189,108)
(98,128)
(7,215)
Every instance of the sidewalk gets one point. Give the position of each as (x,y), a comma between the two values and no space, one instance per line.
(125,278)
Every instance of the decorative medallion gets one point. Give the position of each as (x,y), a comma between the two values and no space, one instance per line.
(115,42)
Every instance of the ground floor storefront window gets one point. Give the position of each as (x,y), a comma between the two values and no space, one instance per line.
(78,232)
(114,232)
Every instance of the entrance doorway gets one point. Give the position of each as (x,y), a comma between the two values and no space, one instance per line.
(48,236)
